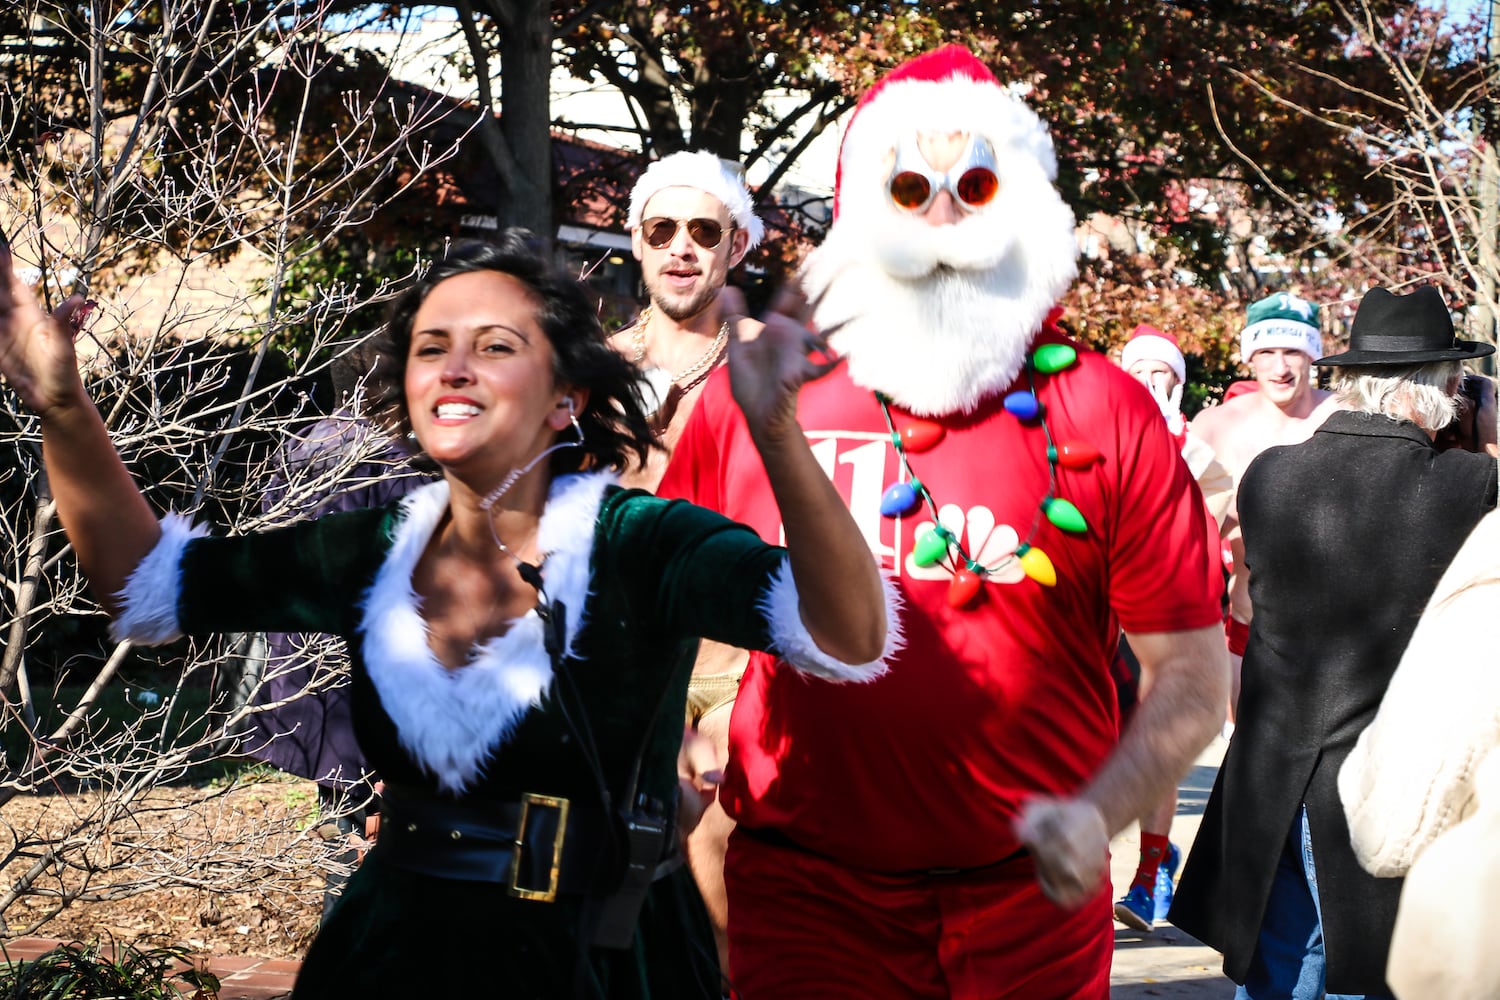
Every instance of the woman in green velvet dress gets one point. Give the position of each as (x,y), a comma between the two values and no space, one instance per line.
(520,632)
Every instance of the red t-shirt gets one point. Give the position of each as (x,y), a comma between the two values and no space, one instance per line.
(988,705)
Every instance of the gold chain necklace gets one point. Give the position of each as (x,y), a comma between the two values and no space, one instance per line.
(693,373)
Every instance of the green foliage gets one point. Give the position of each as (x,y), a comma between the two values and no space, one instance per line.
(77,971)
(1139,95)
(244,771)
(301,800)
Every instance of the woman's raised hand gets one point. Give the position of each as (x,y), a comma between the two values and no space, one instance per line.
(766,371)
(36,349)
(111,526)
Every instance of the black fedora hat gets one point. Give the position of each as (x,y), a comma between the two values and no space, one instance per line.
(1405,330)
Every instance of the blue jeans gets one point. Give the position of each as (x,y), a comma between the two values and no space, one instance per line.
(1288,963)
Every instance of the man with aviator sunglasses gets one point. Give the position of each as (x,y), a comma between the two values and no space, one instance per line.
(943,831)
(691,223)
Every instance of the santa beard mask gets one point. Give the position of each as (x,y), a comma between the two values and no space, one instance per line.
(938,317)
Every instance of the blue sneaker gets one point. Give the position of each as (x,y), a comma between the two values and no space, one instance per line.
(1135,909)
(1166,872)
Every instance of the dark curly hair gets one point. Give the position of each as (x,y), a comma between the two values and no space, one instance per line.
(613,420)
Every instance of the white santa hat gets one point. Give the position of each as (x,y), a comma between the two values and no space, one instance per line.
(706,172)
(1147,343)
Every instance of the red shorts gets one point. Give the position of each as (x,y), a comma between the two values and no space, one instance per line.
(802,927)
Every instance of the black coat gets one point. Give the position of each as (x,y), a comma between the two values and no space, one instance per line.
(1346,536)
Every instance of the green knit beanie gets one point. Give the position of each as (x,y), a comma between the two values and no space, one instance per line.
(1282,320)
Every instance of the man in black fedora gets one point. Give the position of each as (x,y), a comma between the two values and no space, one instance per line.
(1346,536)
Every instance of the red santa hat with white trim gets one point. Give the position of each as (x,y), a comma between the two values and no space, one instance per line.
(943,91)
(1147,343)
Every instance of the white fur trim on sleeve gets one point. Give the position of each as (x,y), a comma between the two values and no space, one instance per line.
(791,641)
(148,602)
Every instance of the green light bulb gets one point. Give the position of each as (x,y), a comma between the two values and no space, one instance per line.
(1051,358)
(1065,515)
(930,547)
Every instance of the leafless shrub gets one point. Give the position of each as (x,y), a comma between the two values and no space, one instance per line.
(177,163)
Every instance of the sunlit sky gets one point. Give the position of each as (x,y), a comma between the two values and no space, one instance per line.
(1460,9)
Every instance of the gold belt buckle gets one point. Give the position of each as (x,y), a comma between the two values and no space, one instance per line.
(528,800)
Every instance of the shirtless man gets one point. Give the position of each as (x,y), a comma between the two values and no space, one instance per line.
(690,225)
(1280,342)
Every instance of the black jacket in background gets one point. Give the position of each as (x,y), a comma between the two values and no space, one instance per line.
(1346,536)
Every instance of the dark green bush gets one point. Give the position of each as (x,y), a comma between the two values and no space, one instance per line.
(77,971)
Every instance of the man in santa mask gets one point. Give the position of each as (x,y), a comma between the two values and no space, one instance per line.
(943,831)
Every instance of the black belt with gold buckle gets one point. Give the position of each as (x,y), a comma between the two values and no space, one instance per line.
(537,847)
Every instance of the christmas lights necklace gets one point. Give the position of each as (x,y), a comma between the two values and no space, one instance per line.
(916,436)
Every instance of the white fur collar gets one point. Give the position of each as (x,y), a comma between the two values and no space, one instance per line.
(450,721)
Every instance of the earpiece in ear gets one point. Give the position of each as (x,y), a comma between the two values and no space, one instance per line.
(571,405)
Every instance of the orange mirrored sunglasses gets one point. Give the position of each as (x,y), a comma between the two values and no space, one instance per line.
(973,181)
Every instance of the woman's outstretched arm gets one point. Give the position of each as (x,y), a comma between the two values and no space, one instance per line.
(843,603)
(108,522)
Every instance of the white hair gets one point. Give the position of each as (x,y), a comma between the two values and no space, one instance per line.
(1425,394)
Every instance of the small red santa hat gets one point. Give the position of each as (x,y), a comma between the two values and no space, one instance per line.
(1147,343)
(945,90)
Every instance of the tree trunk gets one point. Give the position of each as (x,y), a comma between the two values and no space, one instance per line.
(720,103)
(526,117)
